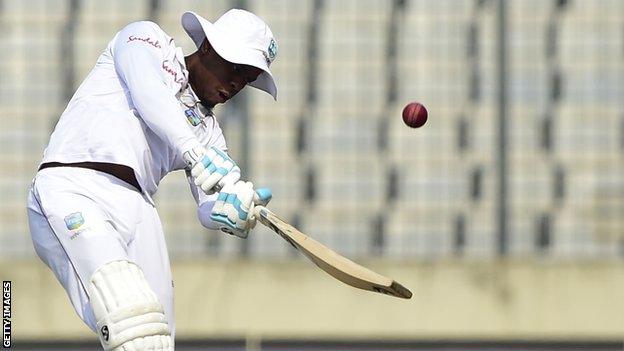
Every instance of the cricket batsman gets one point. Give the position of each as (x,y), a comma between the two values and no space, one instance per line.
(143,111)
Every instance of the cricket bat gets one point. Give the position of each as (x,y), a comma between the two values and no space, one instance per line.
(331,262)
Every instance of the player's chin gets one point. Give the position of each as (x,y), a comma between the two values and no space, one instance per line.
(215,100)
(209,103)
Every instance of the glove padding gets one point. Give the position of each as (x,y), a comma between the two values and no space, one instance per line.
(211,169)
(233,210)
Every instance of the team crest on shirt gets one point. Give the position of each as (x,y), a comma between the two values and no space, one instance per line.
(192,117)
(74,220)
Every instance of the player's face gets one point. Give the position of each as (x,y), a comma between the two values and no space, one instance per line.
(216,80)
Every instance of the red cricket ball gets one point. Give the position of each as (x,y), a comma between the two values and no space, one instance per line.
(414,114)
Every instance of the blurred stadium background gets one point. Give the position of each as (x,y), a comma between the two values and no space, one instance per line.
(504,214)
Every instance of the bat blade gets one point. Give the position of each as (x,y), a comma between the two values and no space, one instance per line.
(331,262)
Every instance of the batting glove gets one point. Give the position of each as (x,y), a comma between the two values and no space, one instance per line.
(211,169)
(233,210)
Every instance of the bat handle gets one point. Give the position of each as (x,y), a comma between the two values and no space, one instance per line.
(261,198)
(258,209)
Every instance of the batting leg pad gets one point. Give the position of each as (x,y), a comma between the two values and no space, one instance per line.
(129,316)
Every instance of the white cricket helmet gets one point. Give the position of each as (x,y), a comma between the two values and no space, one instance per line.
(239,37)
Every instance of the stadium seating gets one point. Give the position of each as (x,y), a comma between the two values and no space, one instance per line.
(341,163)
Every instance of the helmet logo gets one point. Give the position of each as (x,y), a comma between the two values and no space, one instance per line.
(271,53)
(272,50)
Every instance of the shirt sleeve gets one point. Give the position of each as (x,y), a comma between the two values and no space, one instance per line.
(205,203)
(138,53)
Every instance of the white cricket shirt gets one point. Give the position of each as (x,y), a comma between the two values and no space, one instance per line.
(134,109)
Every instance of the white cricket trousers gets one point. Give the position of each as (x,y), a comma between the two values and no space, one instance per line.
(81,219)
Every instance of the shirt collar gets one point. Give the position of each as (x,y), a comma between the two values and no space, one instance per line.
(195,97)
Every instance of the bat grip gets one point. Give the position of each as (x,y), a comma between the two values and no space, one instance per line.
(260,200)
(257,209)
